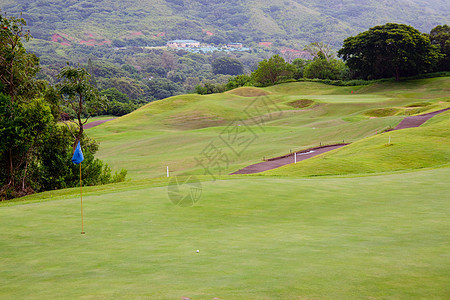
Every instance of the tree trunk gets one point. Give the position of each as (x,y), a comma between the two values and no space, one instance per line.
(24,176)
(78,138)
(80,123)
(11,169)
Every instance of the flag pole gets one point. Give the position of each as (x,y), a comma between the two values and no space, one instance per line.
(77,158)
(81,197)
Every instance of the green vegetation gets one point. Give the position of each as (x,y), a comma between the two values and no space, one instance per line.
(369,220)
(440,36)
(322,68)
(17,67)
(187,124)
(79,97)
(272,70)
(35,150)
(284,22)
(264,237)
(409,149)
(227,66)
(366,233)
(390,50)
(131,57)
(302,103)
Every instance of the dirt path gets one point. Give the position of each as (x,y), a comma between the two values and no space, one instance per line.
(273,163)
(416,121)
(277,162)
(96,123)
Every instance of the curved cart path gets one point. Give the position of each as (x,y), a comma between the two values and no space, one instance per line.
(416,121)
(96,123)
(277,162)
(273,163)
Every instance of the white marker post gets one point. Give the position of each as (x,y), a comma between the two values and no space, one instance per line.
(295,157)
(167,171)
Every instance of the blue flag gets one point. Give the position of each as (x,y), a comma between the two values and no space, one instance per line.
(77,157)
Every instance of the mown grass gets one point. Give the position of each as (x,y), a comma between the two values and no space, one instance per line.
(413,148)
(174,131)
(99,118)
(259,238)
(380,230)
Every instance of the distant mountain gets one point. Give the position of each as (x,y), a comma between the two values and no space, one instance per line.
(290,23)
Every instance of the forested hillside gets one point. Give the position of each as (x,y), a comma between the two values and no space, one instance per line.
(284,22)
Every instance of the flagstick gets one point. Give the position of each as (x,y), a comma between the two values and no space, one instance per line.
(81,196)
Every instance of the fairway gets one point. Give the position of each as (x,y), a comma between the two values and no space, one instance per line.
(188,124)
(259,238)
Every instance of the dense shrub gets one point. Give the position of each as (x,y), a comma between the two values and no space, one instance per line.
(321,68)
(53,168)
(238,81)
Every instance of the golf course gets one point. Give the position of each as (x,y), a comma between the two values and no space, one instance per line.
(368,220)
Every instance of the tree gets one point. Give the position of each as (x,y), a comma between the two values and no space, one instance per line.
(227,66)
(31,150)
(273,70)
(440,36)
(168,61)
(160,88)
(80,96)
(23,127)
(17,67)
(299,67)
(24,117)
(320,50)
(128,86)
(389,50)
(321,68)
(238,81)
(112,94)
(54,169)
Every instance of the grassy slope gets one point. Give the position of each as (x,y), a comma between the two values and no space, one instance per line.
(328,238)
(414,148)
(173,131)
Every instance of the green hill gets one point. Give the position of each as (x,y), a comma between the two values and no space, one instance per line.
(179,131)
(284,22)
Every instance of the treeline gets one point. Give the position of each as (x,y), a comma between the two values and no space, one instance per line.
(135,76)
(35,148)
(132,77)
(387,51)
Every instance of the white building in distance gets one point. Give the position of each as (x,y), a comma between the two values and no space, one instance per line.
(183,44)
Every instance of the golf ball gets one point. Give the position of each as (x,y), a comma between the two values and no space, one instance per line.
(198,251)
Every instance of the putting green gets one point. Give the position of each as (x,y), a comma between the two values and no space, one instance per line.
(380,236)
